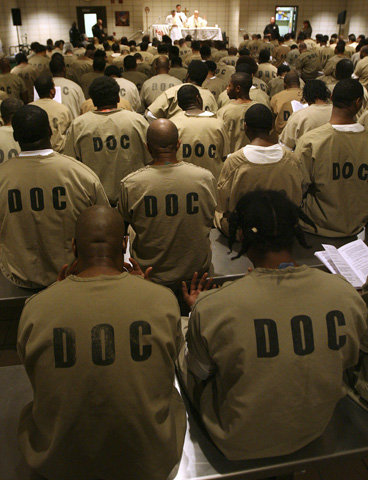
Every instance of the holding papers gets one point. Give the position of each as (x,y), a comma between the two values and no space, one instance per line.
(351,261)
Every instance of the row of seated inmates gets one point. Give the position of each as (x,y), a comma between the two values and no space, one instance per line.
(42,193)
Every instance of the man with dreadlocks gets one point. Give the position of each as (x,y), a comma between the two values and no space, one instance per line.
(265,373)
(261,164)
(335,168)
(317,95)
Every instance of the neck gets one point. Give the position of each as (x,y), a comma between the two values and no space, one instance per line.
(243,99)
(164,158)
(100,265)
(261,140)
(43,144)
(318,101)
(194,110)
(96,270)
(107,107)
(272,259)
(341,116)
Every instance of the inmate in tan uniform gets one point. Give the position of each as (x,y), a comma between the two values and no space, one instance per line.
(266,72)
(78,68)
(255,94)
(215,85)
(111,143)
(252,168)
(179,72)
(233,116)
(125,420)
(260,388)
(71,95)
(281,106)
(204,140)
(361,71)
(308,64)
(138,78)
(330,66)
(9,148)
(154,86)
(128,91)
(40,63)
(166,105)
(325,53)
(280,54)
(303,121)
(335,170)
(165,204)
(41,198)
(60,119)
(224,72)
(86,80)
(29,75)
(12,85)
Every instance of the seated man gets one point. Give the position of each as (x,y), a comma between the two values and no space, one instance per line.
(125,419)
(281,102)
(109,140)
(334,166)
(8,146)
(203,136)
(317,95)
(41,195)
(259,165)
(253,370)
(165,203)
(233,112)
(60,116)
(166,105)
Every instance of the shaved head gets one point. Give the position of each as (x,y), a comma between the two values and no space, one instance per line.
(99,233)
(162,136)
(162,63)
(292,79)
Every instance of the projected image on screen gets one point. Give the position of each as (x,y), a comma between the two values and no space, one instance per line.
(286,19)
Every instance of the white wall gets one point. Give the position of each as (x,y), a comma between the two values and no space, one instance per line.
(357,17)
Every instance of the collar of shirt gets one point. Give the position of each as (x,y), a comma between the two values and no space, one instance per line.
(263,155)
(34,153)
(353,127)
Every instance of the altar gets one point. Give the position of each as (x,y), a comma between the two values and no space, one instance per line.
(205,33)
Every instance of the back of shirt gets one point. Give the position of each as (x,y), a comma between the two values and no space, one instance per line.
(41,198)
(165,205)
(204,141)
(153,87)
(281,106)
(111,143)
(9,148)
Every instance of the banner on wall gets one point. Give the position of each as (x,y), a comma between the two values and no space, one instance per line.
(122,19)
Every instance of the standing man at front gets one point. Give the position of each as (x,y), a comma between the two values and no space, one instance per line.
(272,29)
(181,14)
(165,203)
(98,31)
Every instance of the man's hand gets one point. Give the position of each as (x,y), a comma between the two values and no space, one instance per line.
(203,285)
(67,270)
(134,269)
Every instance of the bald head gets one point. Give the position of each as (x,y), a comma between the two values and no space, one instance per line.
(162,64)
(99,234)
(302,47)
(162,137)
(291,80)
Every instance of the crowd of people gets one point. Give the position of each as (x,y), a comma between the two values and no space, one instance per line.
(158,143)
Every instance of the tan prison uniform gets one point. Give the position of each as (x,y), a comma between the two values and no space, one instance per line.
(229,60)
(224,72)
(86,80)
(292,56)
(204,140)
(266,72)
(215,85)
(189,58)
(71,95)
(254,46)
(361,71)
(105,405)
(280,54)
(166,105)
(184,51)
(218,55)
(40,63)
(325,53)
(12,85)
(268,367)
(138,78)
(330,67)
(307,64)
(78,68)
(29,75)
(252,168)
(179,72)
(281,106)
(335,171)
(154,86)
(165,204)
(147,57)
(276,85)
(363,120)
(8,146)
(60,119)
(233,116)
(111,143)
(129,92)
(41,198)
(257,82)
(303,121)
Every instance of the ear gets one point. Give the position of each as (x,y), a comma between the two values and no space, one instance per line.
(74,247)
(245,127)
(178,145)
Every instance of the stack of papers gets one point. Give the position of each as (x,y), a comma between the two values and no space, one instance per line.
(351,261)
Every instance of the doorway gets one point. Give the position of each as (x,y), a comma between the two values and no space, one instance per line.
(87,17)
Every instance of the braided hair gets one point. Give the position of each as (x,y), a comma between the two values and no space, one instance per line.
(269,222)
